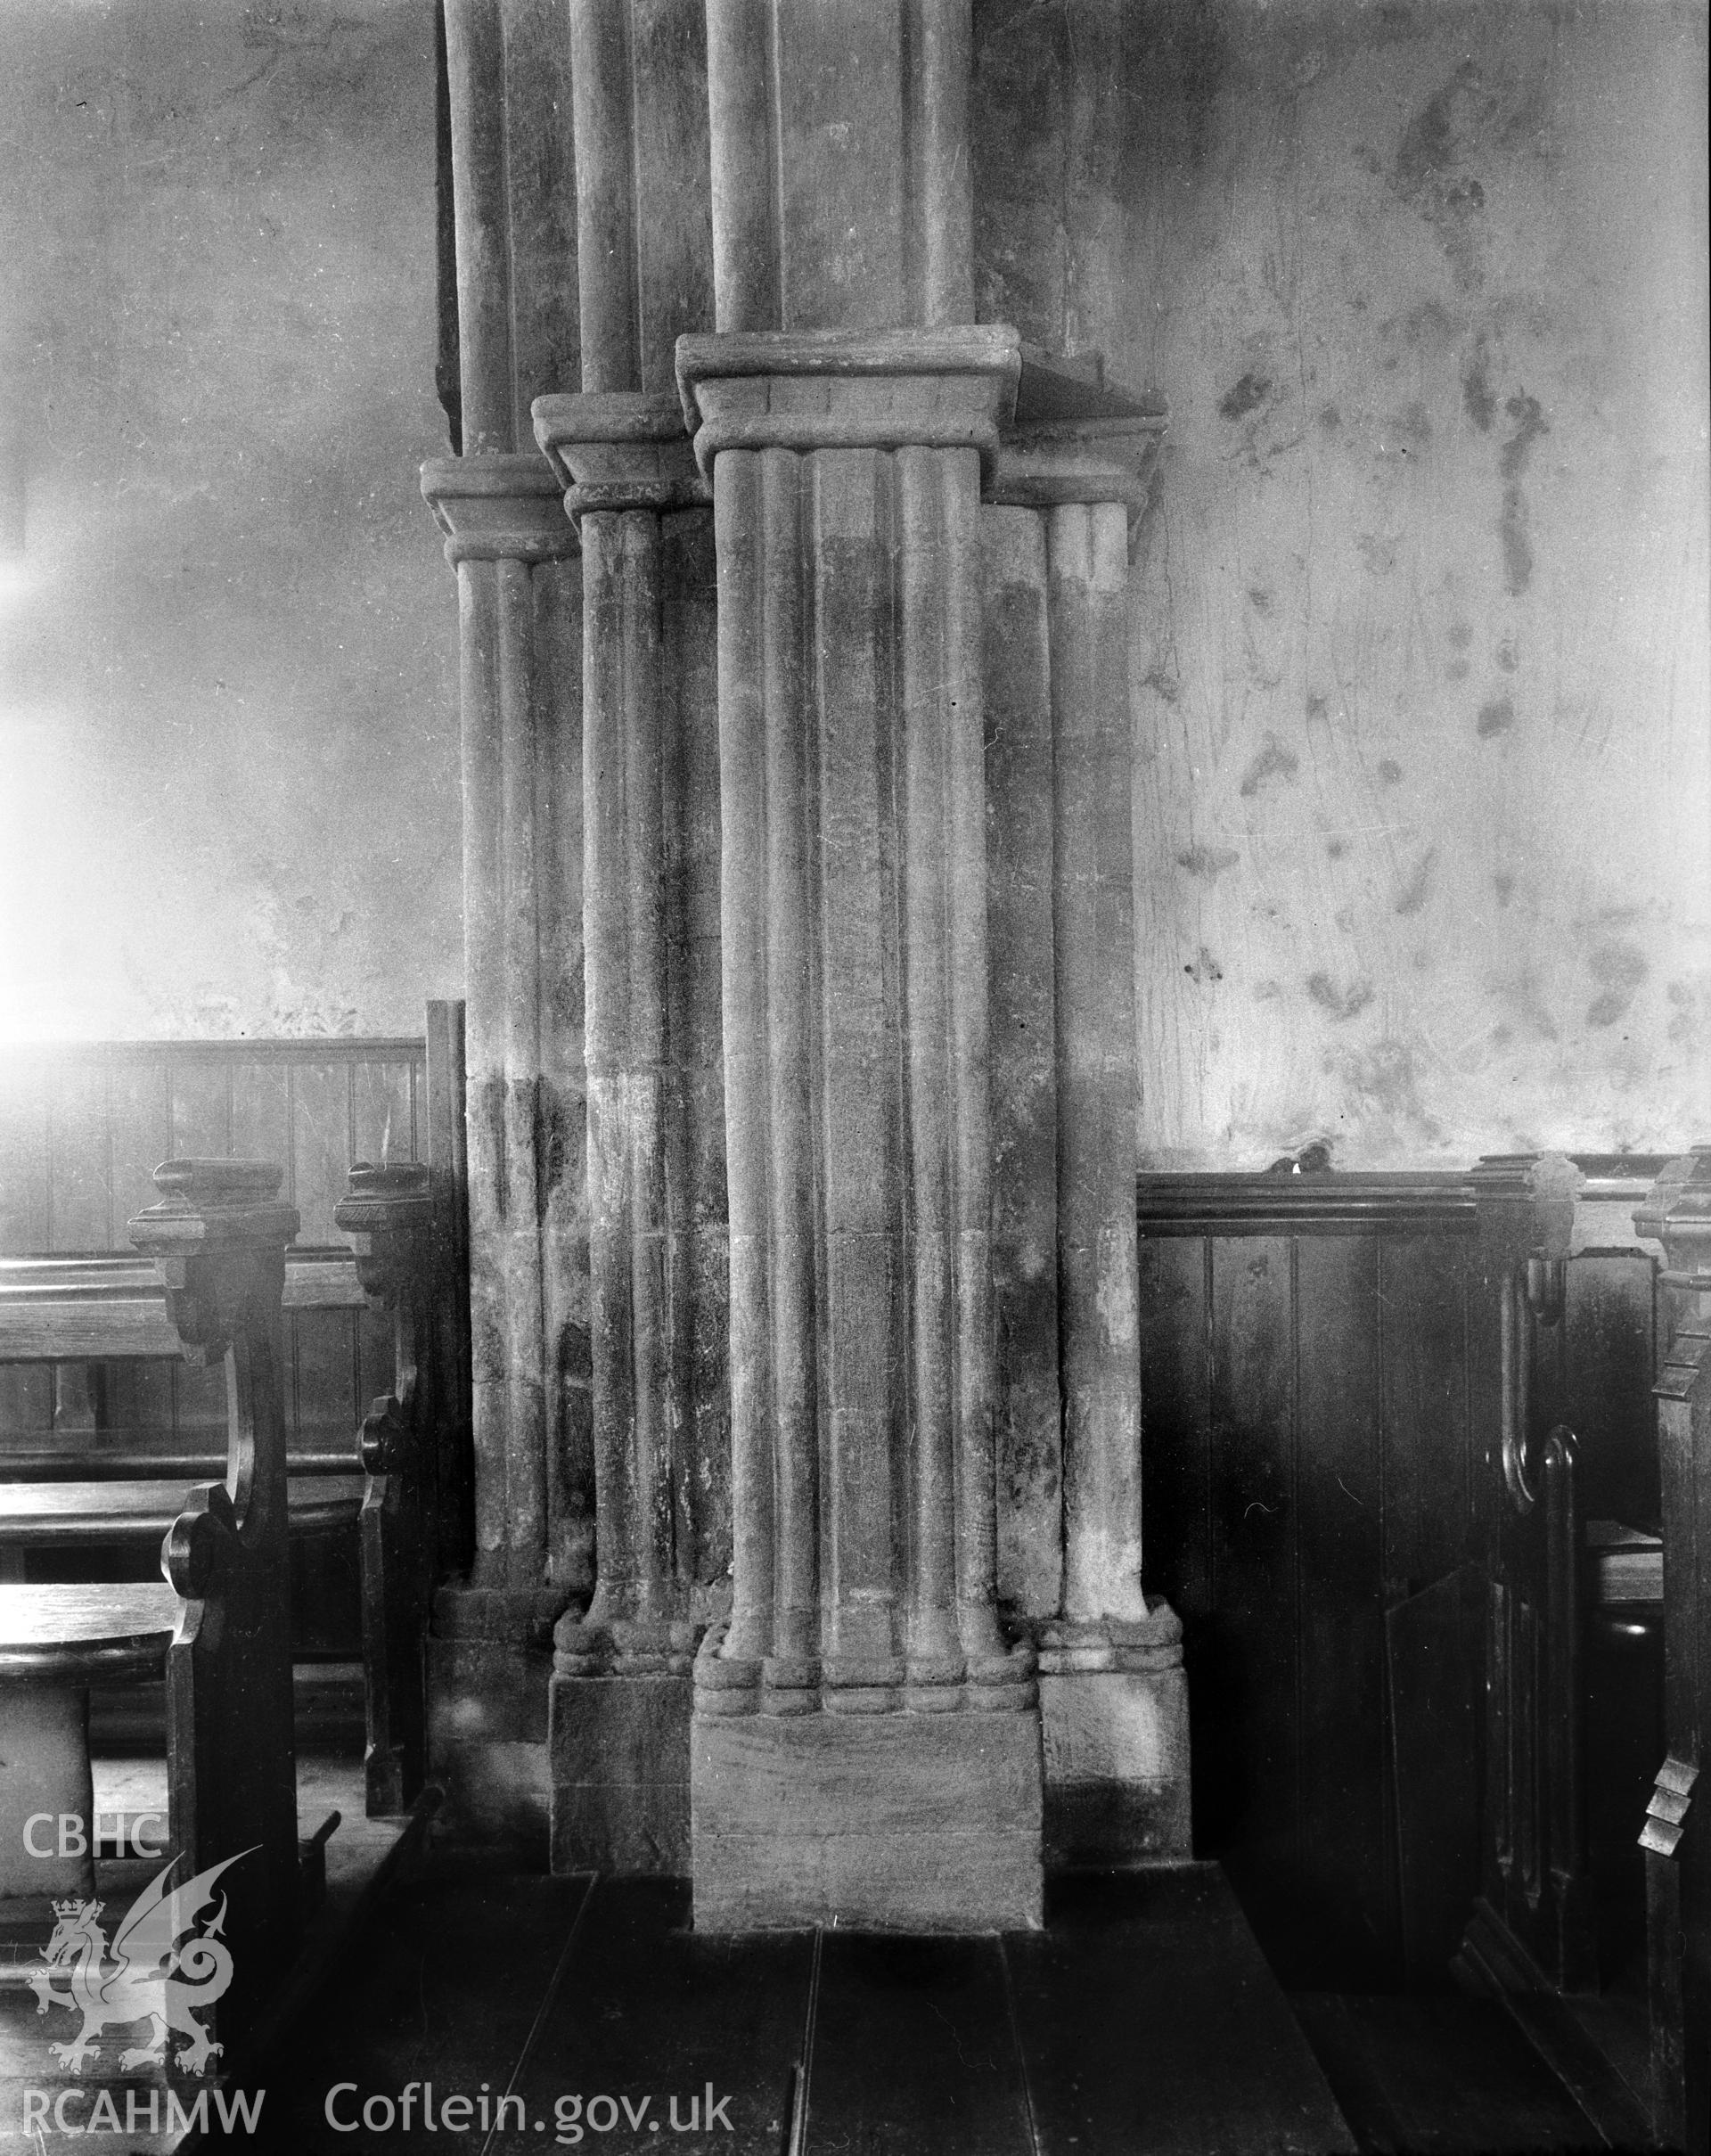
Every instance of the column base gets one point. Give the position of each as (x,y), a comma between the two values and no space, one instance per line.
(617,1748)
(1114,1721)
(918,1823)
(489,1662)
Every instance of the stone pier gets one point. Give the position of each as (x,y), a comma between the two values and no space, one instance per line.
(803,1071)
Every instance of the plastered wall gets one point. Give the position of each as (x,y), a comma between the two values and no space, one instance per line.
(1423,808)
(228,747)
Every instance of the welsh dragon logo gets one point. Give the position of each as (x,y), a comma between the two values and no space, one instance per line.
(151,1973)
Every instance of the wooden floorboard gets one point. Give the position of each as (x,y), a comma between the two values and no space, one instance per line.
(1144,2021)
(360,1855)
(914,2049)
(446,1987)
(650,2015)
(1438,2075)
(1151,2026)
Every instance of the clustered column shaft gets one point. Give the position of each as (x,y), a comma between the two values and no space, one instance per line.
(855,1006)
(653,1220)
(502,515)
(1093,924)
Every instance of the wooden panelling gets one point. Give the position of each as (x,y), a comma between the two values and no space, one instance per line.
(1338,1594)
(198,1403)
(1250,1797)
(1306,1467)
(139,1137)
(26,1392)
(322,1144)
(1313,1355)
(1177,1398)
(24,1211)
(82,1130)
(1429,1484)
(382,1110)
(83,1126)
(327,1399)
(261,1114)
(1605,1357)
(79,1161)
(202,1106)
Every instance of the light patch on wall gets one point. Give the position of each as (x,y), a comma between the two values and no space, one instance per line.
(233,639)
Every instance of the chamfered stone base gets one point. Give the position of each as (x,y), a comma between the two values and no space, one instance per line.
(878,1822)
(1116,1766)
(620,1752)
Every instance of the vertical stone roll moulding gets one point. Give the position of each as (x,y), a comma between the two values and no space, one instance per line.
(1113,1696)
(507,89)
(503,518)
(865,1743)
(1094,923)
(618,1717)
(619,1711)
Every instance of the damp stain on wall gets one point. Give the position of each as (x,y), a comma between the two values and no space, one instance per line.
(1433,349)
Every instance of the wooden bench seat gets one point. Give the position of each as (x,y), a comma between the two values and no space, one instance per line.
(43,1514)
(93,1309)
(85,1493)
(217,1627)
(105,1461)
(76,1634)
(56,1642)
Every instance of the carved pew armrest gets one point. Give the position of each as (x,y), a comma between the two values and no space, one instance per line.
(217,1238)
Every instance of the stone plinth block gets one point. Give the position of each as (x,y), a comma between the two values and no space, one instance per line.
(877,1823)
(619,1753)
(1116,1766)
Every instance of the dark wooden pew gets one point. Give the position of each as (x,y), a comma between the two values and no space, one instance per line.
(388,1214)
(1676,1836)
(218,1625)
(70,1496)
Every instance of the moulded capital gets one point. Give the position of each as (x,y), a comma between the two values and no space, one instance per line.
(804,389)
(1089,461)
(498,508)
(619,449)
